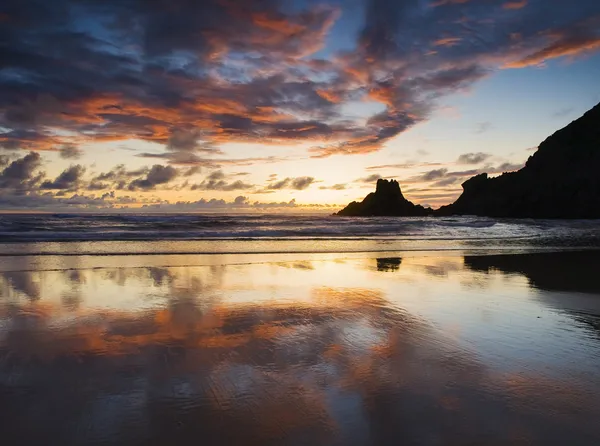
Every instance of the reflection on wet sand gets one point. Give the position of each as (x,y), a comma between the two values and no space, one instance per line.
(299,352)
(553,271)
(388,263)
(560,272)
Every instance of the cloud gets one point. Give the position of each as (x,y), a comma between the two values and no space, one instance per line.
(408,165)
(222,185)
(217,181)
(370,179)
(582,39)
(447,41)
(69,179)
(20,174)
(282,184)
(157,175)
(216,175)
(191,171)
(192,160)
(192,76)
(70,152)
(118,178)
(443,177)
(189,78)
(239,203)
(502,168)
(434,174)
(299,183)
(341,186)
(518,4)
(473,158)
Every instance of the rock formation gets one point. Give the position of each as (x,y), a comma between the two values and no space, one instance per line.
(387,200)
(561,180)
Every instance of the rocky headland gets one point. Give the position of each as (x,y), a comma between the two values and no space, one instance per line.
(560,180)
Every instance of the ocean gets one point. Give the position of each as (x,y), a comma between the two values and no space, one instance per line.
(245,234)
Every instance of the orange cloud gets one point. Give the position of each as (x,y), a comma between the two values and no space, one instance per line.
(447,41)
(573,46)
(329,96)
(519,4)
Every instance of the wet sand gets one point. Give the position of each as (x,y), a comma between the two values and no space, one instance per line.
(320,349)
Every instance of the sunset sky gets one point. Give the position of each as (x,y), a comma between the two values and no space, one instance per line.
(275,106)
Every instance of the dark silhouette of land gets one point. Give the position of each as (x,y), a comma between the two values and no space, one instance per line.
(387,200)
(560,180)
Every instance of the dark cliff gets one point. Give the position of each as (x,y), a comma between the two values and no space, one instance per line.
(387,200)
(561,180)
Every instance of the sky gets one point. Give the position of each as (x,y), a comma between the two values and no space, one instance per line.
(280,105)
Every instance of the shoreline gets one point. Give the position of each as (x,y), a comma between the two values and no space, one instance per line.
(509,250)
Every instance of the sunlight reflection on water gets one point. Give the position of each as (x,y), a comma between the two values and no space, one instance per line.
(328,349)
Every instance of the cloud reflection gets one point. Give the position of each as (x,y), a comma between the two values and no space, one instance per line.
(205,357)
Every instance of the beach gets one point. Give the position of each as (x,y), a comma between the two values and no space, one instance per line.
(450,346)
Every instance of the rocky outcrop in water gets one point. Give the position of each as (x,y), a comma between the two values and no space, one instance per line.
(561,180)
(387,200)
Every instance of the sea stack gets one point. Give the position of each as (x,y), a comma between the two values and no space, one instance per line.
(560,180)
(387,200)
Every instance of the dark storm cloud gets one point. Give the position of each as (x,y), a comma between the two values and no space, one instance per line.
(69,179)
(192,75)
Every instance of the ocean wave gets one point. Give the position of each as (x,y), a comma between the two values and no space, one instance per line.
(72,227)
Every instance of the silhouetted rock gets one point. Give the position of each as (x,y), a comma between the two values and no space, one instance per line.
(387,200)
(561,180)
